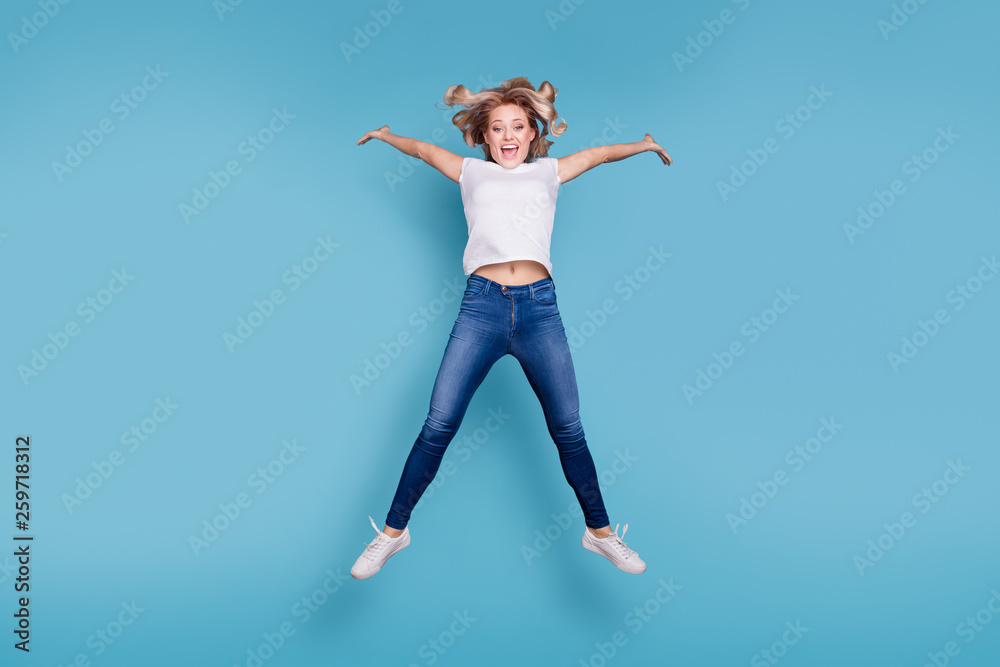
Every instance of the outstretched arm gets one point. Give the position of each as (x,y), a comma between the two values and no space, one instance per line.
(573,165)
(443,160)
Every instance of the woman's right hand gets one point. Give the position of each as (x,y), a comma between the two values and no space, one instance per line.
(379,134)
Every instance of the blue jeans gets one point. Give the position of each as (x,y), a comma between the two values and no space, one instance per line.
(495,320)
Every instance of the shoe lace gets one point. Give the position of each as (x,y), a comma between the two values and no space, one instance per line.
(374,548)
(620,546)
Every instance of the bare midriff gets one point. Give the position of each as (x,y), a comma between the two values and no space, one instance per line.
(517,272)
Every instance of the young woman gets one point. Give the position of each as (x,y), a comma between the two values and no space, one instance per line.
(509,305)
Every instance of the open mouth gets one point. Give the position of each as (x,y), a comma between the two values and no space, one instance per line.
(509,150)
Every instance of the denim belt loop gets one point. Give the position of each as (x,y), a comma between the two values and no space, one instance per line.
(481,283)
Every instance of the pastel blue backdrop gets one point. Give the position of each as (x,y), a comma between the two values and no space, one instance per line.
(795,411)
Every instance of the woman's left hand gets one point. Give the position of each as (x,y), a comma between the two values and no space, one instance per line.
(657,148)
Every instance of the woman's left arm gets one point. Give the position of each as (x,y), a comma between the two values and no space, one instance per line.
(573,165)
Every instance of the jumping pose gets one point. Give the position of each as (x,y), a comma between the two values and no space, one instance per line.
(509,305)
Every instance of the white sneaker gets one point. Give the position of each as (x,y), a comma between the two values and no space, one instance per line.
(378,551)
(612,548)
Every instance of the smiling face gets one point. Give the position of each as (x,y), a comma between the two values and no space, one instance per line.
(509,127)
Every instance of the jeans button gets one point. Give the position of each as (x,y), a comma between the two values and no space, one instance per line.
(504,288)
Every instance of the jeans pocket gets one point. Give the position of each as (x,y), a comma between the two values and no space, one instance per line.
(545,293)
(472,296)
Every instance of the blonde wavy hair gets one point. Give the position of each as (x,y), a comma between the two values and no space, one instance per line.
(537,104)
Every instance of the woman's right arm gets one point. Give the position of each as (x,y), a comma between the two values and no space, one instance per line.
(443,160)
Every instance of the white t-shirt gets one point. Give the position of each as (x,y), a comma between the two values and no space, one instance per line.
(509,211)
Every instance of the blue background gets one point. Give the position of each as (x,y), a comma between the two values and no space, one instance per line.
(694,458)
